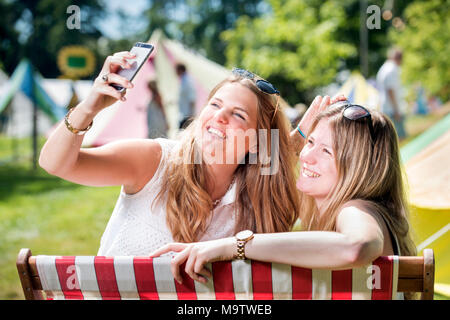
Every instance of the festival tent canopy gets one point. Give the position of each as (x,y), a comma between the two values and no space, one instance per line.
(66,92)
(426,161)
(17,113)
(17,96)
(28,81)
(358,90)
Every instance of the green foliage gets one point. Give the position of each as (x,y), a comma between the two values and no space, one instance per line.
(377,39)
(9,42)
(199,23)
(44,31)
(295,45)
(426,44)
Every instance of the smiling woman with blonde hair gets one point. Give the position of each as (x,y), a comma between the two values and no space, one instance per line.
(352,206)
(368,170)
(189,204)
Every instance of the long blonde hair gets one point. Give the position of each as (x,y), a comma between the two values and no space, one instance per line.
(368,171)
(264,203)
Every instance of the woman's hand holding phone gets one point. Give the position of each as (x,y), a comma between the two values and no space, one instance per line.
(103,95)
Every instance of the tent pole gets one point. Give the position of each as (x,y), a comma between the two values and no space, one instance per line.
(15,139)
(34,138)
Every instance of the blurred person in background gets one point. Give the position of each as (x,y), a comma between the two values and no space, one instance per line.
(156,117)
(186,97)
(391,96)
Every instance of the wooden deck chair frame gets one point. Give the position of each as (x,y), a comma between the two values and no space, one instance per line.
(416,274)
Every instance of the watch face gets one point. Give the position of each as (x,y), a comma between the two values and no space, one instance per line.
(243,235)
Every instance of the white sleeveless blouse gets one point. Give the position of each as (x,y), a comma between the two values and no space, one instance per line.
(136,228)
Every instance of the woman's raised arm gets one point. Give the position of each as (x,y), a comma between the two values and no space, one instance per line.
(318,105)
(122,163)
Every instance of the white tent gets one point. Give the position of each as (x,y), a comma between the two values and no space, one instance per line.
(60,90)
(19,114)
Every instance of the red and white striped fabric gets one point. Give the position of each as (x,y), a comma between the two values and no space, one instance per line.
(113,278)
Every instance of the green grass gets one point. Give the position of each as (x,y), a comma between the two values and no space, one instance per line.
(47,215)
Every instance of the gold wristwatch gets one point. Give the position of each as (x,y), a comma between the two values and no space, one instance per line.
(242,238)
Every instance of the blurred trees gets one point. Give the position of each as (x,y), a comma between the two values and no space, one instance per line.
(378,43)
(296,47)
(299,45)
(425,40)
(44,31)
(199,23)
(9,37)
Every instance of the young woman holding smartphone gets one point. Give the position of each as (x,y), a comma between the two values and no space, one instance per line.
(167,195)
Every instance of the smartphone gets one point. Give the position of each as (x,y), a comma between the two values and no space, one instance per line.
(142,52)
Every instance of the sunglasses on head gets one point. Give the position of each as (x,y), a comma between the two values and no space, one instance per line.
(263,85)
(356,112)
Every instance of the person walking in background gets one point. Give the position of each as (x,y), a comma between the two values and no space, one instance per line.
(186,97)
(391,97)
(156,117)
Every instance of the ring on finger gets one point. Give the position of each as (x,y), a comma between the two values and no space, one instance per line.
(105,77)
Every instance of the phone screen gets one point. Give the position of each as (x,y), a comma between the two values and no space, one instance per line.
(142,52)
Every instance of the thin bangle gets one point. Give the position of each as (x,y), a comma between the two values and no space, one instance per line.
(75,130)
(301,133)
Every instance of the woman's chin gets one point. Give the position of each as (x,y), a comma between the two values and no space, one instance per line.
(304,187)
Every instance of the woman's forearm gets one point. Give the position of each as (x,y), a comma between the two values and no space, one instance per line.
(60,151)
(308,249)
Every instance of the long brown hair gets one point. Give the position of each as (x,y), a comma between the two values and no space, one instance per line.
(264,202)
(367,170)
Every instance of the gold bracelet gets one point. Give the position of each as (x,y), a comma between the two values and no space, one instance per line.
(72,129)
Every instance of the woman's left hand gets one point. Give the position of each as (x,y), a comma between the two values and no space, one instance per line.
(196,255)
(317,106)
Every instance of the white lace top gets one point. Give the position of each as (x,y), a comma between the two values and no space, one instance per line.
(134,229)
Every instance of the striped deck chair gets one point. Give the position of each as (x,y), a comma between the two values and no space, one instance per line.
(114,278)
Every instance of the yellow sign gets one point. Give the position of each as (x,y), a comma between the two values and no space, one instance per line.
(76,62)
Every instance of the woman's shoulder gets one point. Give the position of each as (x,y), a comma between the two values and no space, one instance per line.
(166,144)
(370,212)
(356,208)
(359,204)
(153,149)
(360,210)
(152,154)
